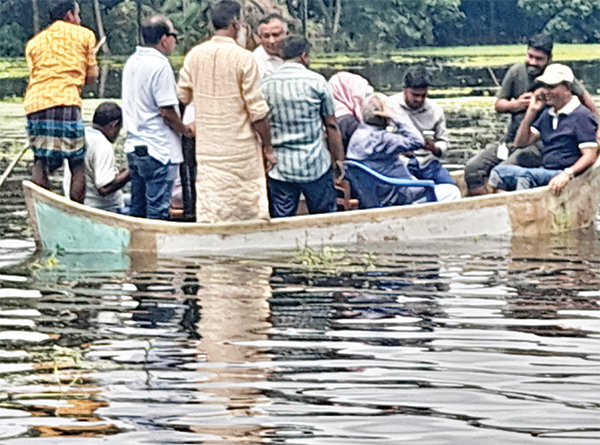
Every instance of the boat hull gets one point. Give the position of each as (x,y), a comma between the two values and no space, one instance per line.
(60,223)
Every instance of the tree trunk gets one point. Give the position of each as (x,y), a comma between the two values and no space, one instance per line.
(100,25)
(36,16)
(335,26)
(140,41)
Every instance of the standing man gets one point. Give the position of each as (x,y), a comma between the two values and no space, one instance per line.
(429,119)
(306,137)
(272,30)
(222,79)
(61,59)
(151,119)
(514,97)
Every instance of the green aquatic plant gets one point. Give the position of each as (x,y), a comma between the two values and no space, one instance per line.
(52,261)
(329,258)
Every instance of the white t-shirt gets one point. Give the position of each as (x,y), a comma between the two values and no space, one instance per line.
(149,84)
(100,170)
(266,62)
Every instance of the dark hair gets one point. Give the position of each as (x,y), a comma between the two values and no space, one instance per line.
(416,77)
(59,8)
(274,16)
(153,30)
(294,46)
(541,42)
(224,12)
(106,113)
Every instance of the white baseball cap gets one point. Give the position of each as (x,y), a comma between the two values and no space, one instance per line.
(555,74)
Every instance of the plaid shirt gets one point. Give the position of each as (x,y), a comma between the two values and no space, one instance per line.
(299,99)
(59,60)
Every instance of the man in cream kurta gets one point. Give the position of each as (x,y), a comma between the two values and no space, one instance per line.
(223,81)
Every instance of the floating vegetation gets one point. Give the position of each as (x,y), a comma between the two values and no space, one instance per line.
(334,259)
(51,261)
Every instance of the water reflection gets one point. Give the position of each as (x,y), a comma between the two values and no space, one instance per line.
(460,342)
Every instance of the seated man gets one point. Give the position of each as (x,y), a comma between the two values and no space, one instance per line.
(429,119)
(514,98)
(566,128)
(378,142)
(103,182)
(304,134)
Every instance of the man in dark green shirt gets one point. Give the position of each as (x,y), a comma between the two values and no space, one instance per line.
(514,96)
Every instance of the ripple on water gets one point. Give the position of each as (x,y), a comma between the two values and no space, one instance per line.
(431,346)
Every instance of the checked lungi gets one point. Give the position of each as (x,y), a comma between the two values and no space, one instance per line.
(57,133)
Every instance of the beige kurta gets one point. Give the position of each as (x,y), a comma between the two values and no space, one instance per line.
(222,79)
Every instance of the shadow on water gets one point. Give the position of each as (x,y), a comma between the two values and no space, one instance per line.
(488,341)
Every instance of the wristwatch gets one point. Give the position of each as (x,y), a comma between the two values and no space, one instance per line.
(569,171)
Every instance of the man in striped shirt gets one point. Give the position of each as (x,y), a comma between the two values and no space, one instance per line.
(304,135)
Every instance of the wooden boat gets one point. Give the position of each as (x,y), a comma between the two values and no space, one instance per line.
(58,222)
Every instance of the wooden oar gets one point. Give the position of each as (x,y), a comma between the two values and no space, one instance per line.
(12,165)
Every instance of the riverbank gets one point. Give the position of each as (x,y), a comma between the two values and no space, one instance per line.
(456,71)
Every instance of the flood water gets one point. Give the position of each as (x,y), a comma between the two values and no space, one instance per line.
(469,342)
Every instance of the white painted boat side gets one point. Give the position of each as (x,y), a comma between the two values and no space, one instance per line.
(489,221)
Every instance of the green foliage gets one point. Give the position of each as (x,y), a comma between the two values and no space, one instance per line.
(568,20)
(373,26)
(11,40)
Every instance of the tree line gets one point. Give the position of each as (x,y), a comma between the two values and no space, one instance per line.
(368,26)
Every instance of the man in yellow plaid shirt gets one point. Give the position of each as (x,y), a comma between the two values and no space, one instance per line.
(61,60)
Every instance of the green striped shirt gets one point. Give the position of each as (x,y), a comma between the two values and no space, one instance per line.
(298,99)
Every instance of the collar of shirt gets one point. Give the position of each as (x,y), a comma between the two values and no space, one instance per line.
(264,55)
(292,66)
(568,108)
(223,39)
(149,51)
(423,108)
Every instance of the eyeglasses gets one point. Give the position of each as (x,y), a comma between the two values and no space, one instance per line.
(173,34)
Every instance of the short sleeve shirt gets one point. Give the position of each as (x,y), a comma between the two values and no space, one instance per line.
(148,85)
(518,81)
(565,134)
(100,170)
(59,60)
(299,99)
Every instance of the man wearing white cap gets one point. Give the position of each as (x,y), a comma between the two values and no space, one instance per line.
(566,128)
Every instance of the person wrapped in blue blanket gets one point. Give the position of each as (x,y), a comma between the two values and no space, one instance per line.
(378,142)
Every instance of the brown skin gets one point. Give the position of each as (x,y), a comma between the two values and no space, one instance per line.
(536,60)
(415,98)
(557,96)
(332,133)
(111,132)
(41,172)
(166,45)
(262,128)
(272,35)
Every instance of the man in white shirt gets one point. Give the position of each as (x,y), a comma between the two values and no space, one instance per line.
(103,181)
(151,118)
(272,31)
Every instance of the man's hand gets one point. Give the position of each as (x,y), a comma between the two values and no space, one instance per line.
(339,172)
(538,101)
(522,102)
(558,183)
(269,158)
